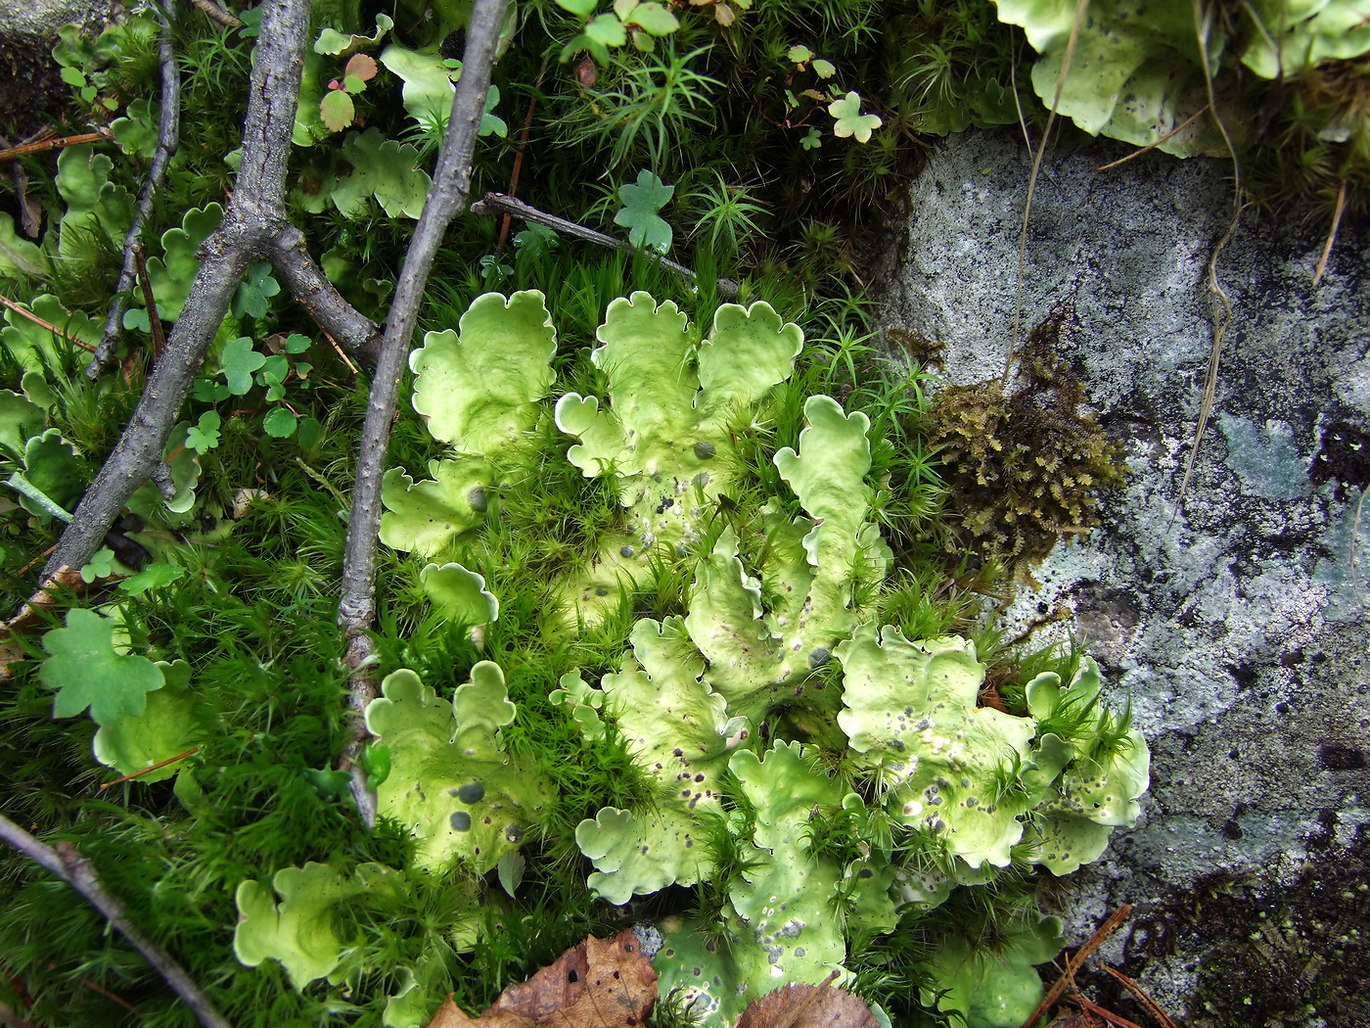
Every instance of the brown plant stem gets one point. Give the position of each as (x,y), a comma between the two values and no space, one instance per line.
(13,153)
(154,320)
(1077,961)
(451,186)
(518,155)
(78,872)
(1141,996)
(24,312)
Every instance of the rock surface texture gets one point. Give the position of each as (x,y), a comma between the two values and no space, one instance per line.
(28,75)
(1237,621)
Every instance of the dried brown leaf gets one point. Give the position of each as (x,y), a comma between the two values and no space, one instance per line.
(808,1006)
(597,984)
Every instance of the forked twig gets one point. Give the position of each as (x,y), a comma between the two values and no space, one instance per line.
(255,227)
(78,872)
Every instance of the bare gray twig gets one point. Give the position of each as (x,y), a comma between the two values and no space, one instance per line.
(168,134)
(312,291)
(217,13)
(78,872)
(492,202)
(451,186)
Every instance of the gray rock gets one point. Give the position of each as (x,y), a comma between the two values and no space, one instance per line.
(42,18)
(1234,622)
(29,84)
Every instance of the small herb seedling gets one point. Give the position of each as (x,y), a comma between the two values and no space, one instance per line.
(641,204)
(336,108)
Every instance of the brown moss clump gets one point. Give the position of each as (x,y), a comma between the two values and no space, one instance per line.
(1024,467)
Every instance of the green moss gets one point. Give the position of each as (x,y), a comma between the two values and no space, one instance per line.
(1025,466)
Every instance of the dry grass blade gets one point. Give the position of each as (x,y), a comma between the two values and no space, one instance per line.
(1155,142)
(1222,306)
(1081,6)
(1337,212)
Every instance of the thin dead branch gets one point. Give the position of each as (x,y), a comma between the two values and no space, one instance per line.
(492,203)
(1337,212)
(154,320)
(451,186)
(1090,1007)
(168,136)
(78,872)
(12,1019)
(1155,142)
(1141,996)
(24,312)
(215,13)
(524,133)
(13,153)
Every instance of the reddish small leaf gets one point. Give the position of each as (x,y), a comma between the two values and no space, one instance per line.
(335,84)
(598,984)
(361,66)
(337,111)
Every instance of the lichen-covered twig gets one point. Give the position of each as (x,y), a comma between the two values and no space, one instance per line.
(254,212)
(78,872)
(325,305)
(217,14)
(497,202)
(168,134)
(451,186)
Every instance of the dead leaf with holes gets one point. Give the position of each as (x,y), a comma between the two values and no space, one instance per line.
(597,984)
(808,1006)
